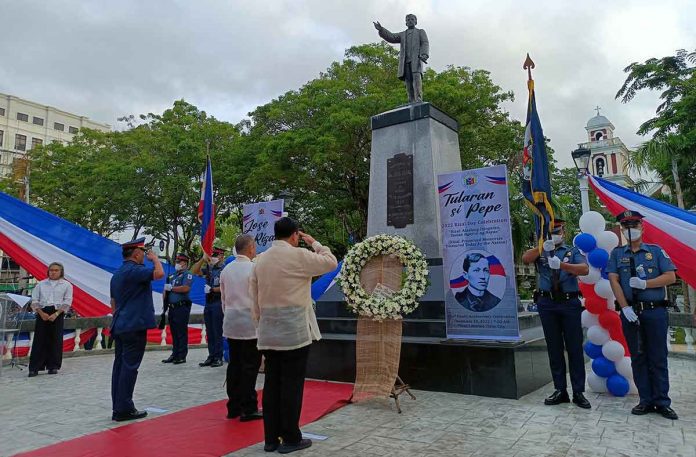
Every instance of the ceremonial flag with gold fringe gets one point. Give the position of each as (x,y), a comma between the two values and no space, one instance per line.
(536,182)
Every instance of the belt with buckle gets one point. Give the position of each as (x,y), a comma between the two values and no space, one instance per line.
(561,296)
(180,303)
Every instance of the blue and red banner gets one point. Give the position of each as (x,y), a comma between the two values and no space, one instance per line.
(206,211)
(536,182)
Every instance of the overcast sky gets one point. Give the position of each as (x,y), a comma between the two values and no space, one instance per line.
(104,59)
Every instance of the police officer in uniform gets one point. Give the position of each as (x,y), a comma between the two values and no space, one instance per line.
(639,274)
(133,313)
(213,313)
(178,287)
(557,299)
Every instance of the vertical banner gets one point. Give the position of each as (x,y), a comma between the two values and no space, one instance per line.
(479,269)
(259,219)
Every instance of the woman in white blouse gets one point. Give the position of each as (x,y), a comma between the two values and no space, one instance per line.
(50,300)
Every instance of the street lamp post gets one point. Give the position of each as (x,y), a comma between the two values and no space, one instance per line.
(287,198)
(581,157)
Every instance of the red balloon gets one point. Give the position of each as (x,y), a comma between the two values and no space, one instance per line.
(616,333)
(596,305)
(610,320)
(587,290)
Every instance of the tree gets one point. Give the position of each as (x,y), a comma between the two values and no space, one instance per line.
(315,141)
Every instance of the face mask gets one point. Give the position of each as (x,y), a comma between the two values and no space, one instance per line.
(634,232)
(557,239)
(178,267)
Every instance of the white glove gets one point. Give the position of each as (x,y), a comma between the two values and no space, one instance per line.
(549,245)
(629,314)
(207,289)
(554,263)
(637,283)
(167,287)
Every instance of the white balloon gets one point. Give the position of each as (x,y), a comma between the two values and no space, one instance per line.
(597,335)
(591,277)
(592,222)
(603,289)
(610,303)
(588,319)
(613,350)
(607,240)
(596,383)
(623,367)
(632,389)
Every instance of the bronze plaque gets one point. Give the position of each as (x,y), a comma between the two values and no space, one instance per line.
(400,190)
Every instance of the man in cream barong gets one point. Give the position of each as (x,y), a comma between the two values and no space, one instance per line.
(280,288)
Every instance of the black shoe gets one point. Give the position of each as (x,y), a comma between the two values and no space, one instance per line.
(256,415)
(558,397)
(169,359)
(270,447)
(54,371)
(179,361)
(120,417)
(288,448)
(207,362)
(33,373)
(232,415)
(666,412)
(216,363)
(641,409)
(580,400)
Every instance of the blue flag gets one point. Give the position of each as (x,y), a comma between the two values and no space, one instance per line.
(536,183)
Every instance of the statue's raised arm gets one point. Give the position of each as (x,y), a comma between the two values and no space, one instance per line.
(414,53)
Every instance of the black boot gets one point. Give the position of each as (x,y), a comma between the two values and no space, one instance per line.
(169,359)
(207,362)
(580,400)
(558,397)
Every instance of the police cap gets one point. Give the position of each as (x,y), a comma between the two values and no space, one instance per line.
(139,243)
(182,257)
(558,225)
(629,216)
(218,251)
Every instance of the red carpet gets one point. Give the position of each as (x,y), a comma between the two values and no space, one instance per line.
(198,431)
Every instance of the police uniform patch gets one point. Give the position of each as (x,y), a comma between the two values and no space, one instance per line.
(664,254)
(650,270)
(649,256)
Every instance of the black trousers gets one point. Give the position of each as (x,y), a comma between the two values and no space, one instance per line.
(242,371)
(563,333)
(130,348)
(213,315)
(283,389)
(178,324)
(47,347)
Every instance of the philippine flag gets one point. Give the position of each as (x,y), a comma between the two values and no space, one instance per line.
(206,211)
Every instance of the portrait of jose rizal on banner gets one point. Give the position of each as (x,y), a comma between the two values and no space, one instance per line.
(478,281)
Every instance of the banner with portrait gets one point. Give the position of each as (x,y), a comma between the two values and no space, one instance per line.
(258,222)
(479,268)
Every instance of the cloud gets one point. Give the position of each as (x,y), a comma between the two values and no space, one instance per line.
(106,59)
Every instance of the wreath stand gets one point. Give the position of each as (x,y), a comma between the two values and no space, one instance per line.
(378,343)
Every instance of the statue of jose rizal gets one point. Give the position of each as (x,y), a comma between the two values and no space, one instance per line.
(413,54)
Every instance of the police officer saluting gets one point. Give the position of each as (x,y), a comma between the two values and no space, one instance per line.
(560,310)
(178,287)
(639,273)
(212,314)
(133,313)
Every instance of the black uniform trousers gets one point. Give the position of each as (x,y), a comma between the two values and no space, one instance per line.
(178,324)
(213,316)
(563,332)
(242,371)
(130,348)
(283,389)
(47,347)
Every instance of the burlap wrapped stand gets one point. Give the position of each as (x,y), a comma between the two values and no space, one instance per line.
(378,343)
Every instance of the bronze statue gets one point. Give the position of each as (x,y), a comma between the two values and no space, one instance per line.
(413,54)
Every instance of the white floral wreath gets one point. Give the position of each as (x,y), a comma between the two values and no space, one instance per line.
(400,303)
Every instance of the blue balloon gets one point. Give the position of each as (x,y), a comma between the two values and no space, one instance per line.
(585,242)
(604,274)
(617,385)
(598,258)
(593,350)
(603,367)
(228,260)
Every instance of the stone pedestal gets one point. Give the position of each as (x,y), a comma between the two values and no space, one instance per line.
(423,134)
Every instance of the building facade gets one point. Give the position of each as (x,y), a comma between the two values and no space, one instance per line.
(609,157)
(25,124)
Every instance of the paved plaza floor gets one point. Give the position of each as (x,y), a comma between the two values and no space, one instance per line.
(44,410)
